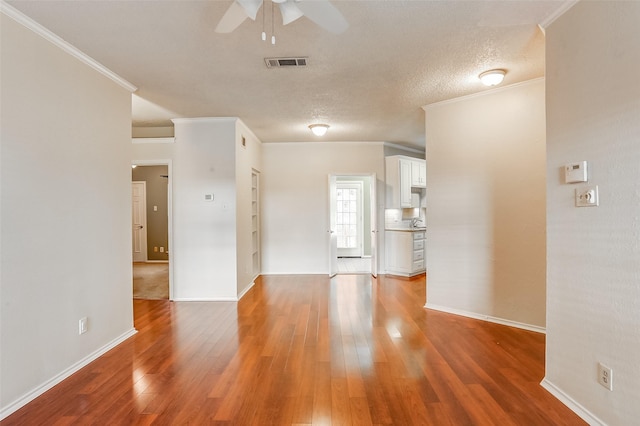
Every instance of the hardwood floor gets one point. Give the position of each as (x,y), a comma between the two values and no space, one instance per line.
(309,350)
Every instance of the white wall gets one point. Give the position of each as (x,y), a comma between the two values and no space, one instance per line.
(486,205)
(204,236)
(295,207)
(593,277)
(65,214)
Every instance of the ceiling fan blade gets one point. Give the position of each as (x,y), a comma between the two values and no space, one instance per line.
(323,13)
(233,17)
(290,12)
(251,7)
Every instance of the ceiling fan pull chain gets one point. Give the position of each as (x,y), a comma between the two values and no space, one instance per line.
(273,31)
(264,33)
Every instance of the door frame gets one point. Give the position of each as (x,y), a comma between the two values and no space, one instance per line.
(169,164)
(333,250)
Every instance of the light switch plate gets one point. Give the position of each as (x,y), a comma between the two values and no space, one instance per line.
(587,196)
(575,172)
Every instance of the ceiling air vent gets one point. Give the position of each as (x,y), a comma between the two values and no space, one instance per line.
(285,62)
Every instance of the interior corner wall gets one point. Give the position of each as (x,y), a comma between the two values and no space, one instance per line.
(593,110)
(485,217)
(248,160)
(65,213)
(295,207)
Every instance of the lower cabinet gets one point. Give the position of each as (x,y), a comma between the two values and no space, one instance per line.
(404,252)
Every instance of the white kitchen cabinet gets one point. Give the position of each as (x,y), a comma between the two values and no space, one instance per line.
(418,173)
(398,180)
(402,174)
(404,252)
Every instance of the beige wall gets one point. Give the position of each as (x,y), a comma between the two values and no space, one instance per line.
(295,212)
(158,219)
(486,205)
(65,214)
(593,278)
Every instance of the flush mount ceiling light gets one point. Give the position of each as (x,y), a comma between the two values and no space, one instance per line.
(319,129)
(492,77)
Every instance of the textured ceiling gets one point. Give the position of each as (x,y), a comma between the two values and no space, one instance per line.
(368,83)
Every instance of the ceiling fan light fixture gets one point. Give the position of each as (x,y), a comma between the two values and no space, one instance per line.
(492,77)
(319,129)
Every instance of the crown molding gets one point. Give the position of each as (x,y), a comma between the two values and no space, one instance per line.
(204,120)
(566,5)
(405,148)
(153,140)
(32,25)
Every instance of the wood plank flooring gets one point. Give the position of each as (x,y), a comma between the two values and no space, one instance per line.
(302,350)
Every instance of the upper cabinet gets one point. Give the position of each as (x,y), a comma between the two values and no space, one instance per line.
(403,173)
(418,173)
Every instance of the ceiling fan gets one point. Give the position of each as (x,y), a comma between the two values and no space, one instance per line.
(322,12)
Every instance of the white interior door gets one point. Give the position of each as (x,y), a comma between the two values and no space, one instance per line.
(374,226)
(139,220)
(331,232)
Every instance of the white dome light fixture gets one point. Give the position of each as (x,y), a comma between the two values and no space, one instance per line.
(492,77)
(319,129)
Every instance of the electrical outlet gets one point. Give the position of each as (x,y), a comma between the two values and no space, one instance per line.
(82,325)
(161,249)
(155,249)
(605,376)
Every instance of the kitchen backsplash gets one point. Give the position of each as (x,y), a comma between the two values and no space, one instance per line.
(402,218)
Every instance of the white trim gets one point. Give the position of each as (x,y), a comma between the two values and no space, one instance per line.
(405,148)
(153,261)
(153,140)
(34,393)
(32,25)
(571,403)
(323,273)
(204,120)
(488,318)
(566,5)
(246,290)
(206,299)
(481,94)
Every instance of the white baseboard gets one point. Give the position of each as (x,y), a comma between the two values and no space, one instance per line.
(206,299)
(571,403)
(246,290)
(34,393)
(488,318)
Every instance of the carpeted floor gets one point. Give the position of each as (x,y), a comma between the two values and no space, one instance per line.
(150,280)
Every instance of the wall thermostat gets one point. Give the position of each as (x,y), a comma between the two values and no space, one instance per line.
(575,172)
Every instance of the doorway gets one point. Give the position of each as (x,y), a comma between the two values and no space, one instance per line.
(352,223)
(152,271)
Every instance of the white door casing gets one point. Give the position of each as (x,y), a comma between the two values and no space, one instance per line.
(139,220)
(331,232)
(333,238)
(374,225)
